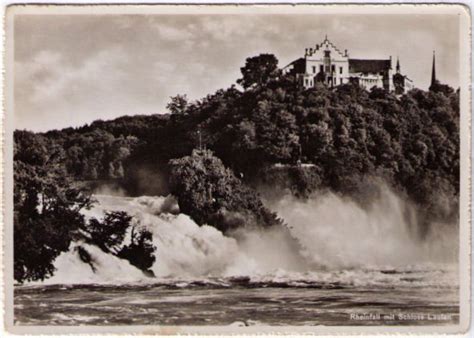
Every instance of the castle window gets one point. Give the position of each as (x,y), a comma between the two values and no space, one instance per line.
(340,80)
(321,68)
(306,82)
(327,53)
(314,69)
(333,68)
(327,69)
(340,70)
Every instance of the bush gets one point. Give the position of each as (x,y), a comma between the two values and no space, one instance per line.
(140,251)
(109,233)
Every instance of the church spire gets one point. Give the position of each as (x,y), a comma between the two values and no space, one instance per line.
(398,65)
(433,71)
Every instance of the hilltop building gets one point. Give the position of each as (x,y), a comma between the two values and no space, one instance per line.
(327,64)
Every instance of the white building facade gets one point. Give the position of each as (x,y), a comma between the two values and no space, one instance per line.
(325,63)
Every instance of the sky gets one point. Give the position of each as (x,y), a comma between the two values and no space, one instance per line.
(70,70)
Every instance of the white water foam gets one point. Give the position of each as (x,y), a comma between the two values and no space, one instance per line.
(108,268)
(337,232)
(330,239)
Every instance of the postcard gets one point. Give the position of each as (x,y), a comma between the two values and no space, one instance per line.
(237,169)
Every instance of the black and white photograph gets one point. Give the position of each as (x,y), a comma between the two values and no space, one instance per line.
(238,169)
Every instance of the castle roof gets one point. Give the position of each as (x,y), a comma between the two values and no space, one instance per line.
(369,66)
(327,42)
(298,66)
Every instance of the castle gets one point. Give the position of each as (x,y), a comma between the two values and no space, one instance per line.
(327,64)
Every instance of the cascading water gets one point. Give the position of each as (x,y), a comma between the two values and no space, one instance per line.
(325,235)
(339,233)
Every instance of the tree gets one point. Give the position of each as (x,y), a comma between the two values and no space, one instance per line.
(109,233)
(140,251)
(439,87)
(211,194)
(178,104)
(46,206)
(259,70)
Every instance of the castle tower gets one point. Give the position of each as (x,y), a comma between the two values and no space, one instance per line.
(433,71)
(398,66)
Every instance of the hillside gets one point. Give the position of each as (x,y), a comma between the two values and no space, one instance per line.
(272,133)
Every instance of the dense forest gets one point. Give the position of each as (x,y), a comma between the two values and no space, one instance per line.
(216,153)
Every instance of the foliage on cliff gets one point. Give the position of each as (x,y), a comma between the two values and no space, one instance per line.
(211,194)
